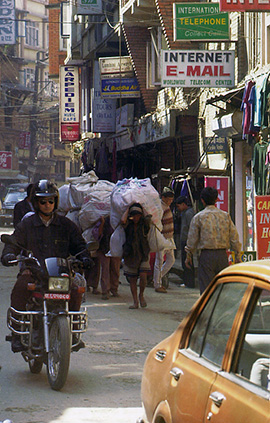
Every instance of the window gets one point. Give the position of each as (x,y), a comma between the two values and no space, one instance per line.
(32,33)
(29,77)
(213,327)
(254,361)
(153,49)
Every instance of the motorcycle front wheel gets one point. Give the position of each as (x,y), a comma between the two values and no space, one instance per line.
(59,353)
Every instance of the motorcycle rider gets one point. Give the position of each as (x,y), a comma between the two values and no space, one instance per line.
(46,234)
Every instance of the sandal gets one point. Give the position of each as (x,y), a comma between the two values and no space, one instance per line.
(134,307)
(143,303)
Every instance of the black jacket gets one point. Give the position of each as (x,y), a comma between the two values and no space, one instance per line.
(20,209)
(60,239)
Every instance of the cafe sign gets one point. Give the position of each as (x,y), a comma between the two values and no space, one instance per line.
(262,208)
(200,22)
(69,104)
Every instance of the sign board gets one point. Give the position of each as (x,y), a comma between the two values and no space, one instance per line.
(89,7)
(102,109)
(120,87)
(69,104)
(262,210)
(197,68)
(216,145)
(115,65)
(5,159)
(24,140)
(7,22)
(245,5)
(245,256)
(200,21)
(221,183)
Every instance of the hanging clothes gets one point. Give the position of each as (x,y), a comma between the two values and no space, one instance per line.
(246,108)
(264,106)
(259,167)
(260,84)
(252,100)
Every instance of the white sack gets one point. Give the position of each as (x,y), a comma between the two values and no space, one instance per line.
(129,191)
(117,241)
(74,216)
(157,241)
(65,199)
(97,204)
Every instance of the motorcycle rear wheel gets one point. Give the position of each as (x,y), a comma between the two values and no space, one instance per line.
(59,355)
(35,366)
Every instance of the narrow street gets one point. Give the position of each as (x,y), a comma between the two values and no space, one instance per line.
(103,384)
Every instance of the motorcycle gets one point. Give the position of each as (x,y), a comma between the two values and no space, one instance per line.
(48,331)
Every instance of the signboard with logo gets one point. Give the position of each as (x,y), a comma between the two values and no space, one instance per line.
(245,5)
(221,183)
(262,209)
(216,145)
(197,68)
(200,21)
(89,7)
(120,87)
(7,22)
(69,104)
(245,256)
(5,159)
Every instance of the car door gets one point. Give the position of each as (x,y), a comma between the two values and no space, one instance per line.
(241,394)
(198,363)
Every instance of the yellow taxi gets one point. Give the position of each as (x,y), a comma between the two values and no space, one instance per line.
(216,366)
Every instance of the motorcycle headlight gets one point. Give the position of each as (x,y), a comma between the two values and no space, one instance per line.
(58,284)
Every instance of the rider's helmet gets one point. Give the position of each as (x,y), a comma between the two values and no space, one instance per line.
(43,189)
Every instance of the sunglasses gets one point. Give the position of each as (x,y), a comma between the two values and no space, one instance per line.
(46,201)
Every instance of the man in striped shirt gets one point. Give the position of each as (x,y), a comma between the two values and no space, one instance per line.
(161,267)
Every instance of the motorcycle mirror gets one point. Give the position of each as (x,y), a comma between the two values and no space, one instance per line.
(11,240)
(7,239)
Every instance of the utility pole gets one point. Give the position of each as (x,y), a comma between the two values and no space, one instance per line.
(33,118)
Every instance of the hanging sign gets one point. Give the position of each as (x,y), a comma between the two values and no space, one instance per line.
(200,21)
(89,7)
(5,159)
(197,68)
(69,104)
(221,183)
(7,22)
(262,208)
(245,5)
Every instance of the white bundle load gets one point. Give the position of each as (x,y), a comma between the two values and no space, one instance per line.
(97,203)
(141,191)
(81,186)
(129,191)
(74,216)
(66,201)
(85,178)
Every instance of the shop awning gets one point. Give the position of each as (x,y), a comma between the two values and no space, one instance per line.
(12,174)
(233,97)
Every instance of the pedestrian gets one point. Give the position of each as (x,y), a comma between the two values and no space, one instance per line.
(185,208)
(136,251)
(110,266)
(22,207)
(161,266)
(92,275)
(46,234)
(213,232)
